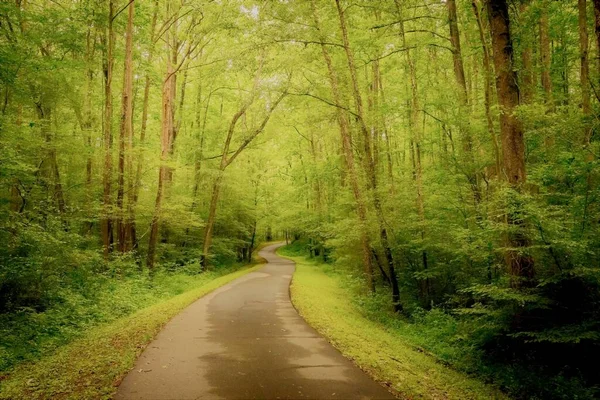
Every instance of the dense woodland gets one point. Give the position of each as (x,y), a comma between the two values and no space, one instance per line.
(442,152)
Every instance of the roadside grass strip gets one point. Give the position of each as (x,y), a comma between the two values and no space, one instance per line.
(326,305)
(92,366)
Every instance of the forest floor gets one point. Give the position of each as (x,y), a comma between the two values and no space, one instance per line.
(323,300)
(92,365)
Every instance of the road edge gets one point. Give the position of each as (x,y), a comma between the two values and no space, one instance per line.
(93,366)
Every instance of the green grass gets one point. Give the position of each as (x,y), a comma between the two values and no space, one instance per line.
(92,366)
(381,350)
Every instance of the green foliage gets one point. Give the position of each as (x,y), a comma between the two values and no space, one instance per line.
(96,361)
(457,341)
(375,342)
(373,155)
(87,299)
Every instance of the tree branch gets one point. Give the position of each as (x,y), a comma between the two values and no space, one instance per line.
(326,102)
(307,42)
(258,130)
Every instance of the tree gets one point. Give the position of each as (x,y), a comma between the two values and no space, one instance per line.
(228,156)
(124,225)
(513,147)
(106,223)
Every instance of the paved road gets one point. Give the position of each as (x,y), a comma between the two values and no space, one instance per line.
(246,341)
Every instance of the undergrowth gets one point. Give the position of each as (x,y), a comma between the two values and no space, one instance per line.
(451,340)
(92,365)
(88,299)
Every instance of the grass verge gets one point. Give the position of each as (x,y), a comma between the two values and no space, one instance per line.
(92,366)
(381,351)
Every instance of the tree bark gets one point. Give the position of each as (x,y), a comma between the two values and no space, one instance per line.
(459,70)
(87,104)
(106,220)
(527,79)
(367,156)
(126,142)
(50,170)
(348,156)
(473,175)
(415,140)
(166,149)
(520,264)
(201,126)
(585,69)
(138,173)
(546,57)
(489,91)
(597,32)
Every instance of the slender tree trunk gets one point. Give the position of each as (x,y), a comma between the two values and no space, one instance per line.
(473,175)
(126,141)
(140,153)
(87,122)
(597,32)
(585,69)
(459,70)
(351,176)
(168,134)
(520,264)
(546,57)
(585,95)
(166,149)
(369,161)
(201,126)
(87,111)
(106,221)
(415,141)
(210,222)
(51,172)
(527,79)
(386,133)
(489,91)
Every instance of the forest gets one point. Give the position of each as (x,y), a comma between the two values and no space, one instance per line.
(440,156)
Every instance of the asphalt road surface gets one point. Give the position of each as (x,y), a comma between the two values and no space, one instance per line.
(246,341)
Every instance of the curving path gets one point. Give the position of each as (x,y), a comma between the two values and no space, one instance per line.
(246,341)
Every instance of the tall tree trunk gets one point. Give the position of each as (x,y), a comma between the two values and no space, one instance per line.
(106,220)
(473,175)
(415,140)
(348,156)
(144,124)
(386,133)
(520,264)
(546,57)
(527,79)
(168,134)
(459,70)
(166,149)
(489,91)
(597,32)
(50,170)
(210,221)
(126,141)
(585,69)
(87,122)
(369,163)
(201,126)
(87,105)
(591,177)
(369,157)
